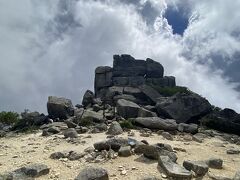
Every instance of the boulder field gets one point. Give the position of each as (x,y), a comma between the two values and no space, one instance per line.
(135,112)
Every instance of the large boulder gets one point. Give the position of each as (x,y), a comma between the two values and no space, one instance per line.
(127,109)
(226,120)
(115,129)
(103,78)
(157,123)
(150,93)
(91,173)
(88,98)
(183,107)
(154,69)
(59,107)
(126,66)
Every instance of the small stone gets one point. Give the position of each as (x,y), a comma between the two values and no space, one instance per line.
(167,136)
(70,133)
(164,175)
(124,151)
(123,172)
(233,151)
(93,173)
(215,163)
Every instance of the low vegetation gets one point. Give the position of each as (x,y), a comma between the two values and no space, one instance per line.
(9,117)
(170,91)
(127,124)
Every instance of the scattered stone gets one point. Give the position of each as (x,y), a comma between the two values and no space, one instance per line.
(35,170)
(188,128)
(199,167)
(167,136)
(157,123)
(154,151)
(75,156)
(233,151)
(70,124)
(172,169)
(215,163)
(125,151)
(70,133)
(91,173)
(115,129)
(58,155)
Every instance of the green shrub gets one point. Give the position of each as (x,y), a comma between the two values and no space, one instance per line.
(126,124)
(9,117)
(86,121)
(170,91)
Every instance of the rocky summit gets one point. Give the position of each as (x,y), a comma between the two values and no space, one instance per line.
(137,124)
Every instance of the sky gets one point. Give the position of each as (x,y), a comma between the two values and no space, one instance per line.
(53,47)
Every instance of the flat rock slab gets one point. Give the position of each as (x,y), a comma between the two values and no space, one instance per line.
(35,170)
(92,173)
(172,169)
(199,167)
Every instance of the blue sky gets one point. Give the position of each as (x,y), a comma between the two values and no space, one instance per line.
(52,47)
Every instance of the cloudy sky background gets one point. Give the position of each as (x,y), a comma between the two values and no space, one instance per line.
(52,47)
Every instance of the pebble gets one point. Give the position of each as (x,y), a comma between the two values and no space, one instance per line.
(123,172)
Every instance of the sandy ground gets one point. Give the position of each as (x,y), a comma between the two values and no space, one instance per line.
(24,149)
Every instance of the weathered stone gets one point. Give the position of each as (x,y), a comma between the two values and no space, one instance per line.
(120,81)
(233,151)
(226,120)
(167,136)
(188,128)
(154,151)
(215,163)
(113,143)
(73,156)
(154,69)
(150,93)
(199,167)
(101,127)
(93,173)
(59,107)
(70,133)
(126,65)
(157,123)
(115,129)
(103,78)
(183,107)
(35,170)
(146,113)
(124,151)
(172,169)
(59,155)
(96,108)
(92,116)
(70,124)
(127,109)
(125,97)
(88,98)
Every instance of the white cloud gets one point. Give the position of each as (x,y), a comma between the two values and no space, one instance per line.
(47,50)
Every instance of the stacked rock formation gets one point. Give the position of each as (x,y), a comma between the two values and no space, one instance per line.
(130,72)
